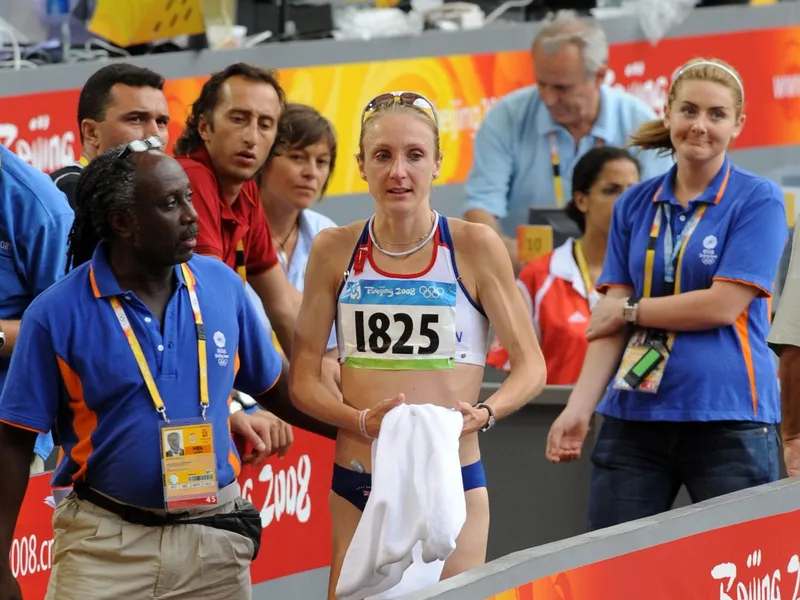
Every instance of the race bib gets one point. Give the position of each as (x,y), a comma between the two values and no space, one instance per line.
(402,325)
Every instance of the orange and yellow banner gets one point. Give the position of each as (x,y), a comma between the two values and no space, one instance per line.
(462,87)
(42,127)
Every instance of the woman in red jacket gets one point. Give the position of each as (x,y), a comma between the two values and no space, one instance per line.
(559,287)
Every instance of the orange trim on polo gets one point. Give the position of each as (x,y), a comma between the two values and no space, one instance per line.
(18,426)
(274,383)
(84,422)
(93,281)
(606,286)
(743,331)
(722,187)
(233,460)
(764,293)
(717,198)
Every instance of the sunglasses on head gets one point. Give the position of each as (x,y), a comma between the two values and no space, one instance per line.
(152,143)
(408,98)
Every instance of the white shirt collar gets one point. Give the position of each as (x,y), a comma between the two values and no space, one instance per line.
(563,266)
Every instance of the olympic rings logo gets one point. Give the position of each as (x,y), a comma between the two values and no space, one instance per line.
(431,292)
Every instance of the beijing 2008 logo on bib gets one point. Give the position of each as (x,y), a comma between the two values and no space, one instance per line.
(352,290)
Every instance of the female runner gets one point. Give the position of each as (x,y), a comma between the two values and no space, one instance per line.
(462,278)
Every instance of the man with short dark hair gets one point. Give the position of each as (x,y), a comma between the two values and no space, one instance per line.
(141,340)
(227,139)
(118,103)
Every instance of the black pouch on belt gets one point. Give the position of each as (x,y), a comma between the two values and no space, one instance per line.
(244,519)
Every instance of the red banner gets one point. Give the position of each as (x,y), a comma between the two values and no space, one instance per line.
(291,494)
(755,560)
(42,128)
(31,547)
(768,61)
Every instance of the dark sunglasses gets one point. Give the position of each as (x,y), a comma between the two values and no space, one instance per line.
(152,143)
(408,98)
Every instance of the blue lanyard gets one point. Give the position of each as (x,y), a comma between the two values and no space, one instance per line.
(672,250)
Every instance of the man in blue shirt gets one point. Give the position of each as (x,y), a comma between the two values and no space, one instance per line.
(35,220)
(530,140)
(141,339)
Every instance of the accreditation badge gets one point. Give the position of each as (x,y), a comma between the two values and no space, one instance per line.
(188,464)
(643,362)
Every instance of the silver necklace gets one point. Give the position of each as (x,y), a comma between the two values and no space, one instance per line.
(282,256)
(416,248)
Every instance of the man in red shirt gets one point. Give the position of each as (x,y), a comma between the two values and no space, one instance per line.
(228,137)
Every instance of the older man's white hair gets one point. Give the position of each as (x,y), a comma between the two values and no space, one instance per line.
(564,27)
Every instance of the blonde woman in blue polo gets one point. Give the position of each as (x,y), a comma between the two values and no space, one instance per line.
(678,358)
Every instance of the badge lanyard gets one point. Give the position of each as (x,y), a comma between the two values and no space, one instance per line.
(583,267)
(202,358)
(673,252)
(558,183)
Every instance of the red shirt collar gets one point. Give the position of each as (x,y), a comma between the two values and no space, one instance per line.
(202,156)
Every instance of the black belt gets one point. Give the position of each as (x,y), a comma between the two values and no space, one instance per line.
(243,520)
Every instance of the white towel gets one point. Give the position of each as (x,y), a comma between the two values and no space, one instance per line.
(416,507)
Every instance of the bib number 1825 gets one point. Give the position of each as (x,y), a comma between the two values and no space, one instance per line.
(375,336)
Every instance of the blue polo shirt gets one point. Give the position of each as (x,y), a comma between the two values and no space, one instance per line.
(512,168)
(73,365)
(35,220)
(726,373)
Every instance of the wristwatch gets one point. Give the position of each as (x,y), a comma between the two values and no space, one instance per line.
(630,312)
(2,336)
(491,421)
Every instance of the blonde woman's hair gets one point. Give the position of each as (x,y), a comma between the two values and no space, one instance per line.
(653,135)
(399,108)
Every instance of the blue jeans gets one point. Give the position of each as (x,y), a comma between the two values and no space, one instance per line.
(639,466)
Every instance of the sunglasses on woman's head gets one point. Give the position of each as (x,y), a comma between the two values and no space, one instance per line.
(408,98)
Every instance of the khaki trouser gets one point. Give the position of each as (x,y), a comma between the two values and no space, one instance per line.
(98,556)
(37,465)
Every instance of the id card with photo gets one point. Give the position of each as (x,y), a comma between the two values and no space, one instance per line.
(643,362)
(188,464)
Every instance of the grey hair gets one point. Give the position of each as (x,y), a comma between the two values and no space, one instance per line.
(564,27)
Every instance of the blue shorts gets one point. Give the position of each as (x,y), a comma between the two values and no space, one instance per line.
(355,487)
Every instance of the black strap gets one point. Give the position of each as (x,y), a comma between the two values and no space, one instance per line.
(128,513)
(245,519)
